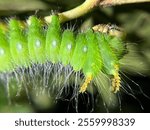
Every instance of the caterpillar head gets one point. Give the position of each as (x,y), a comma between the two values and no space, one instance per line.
(114,35)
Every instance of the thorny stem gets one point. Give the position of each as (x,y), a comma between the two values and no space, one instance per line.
(87,6)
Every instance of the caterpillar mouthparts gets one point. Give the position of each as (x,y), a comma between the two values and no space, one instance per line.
(91,52)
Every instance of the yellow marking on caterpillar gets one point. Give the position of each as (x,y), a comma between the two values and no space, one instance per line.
(116,81)
(85,84)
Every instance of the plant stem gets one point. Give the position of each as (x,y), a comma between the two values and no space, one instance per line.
(82,9)
(120,2)
(87,6)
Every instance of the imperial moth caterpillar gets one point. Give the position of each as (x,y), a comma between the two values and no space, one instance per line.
(90,52)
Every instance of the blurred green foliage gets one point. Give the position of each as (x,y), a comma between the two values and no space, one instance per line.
(135,19)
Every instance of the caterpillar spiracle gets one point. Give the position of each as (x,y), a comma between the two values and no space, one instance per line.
(91,52)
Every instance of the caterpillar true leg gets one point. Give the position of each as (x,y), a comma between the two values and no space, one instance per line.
(116,80)
(85,84)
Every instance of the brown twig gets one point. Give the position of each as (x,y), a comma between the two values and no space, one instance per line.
(120,2)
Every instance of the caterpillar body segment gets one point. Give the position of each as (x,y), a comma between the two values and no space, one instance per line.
(36,41)
(117,46)
(5,56)
(110,61)
(53,41)
(67,47)
(109,58)
(93,63)
(90,52)
(114,36)
(80,52)
(116,50)
(17,45)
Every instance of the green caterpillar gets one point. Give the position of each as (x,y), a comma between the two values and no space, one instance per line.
(91,52)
